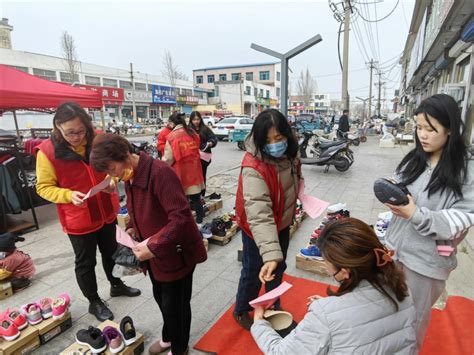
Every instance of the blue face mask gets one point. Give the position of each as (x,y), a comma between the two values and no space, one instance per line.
(276,150)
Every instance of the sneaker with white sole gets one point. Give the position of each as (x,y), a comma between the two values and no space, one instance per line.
(32,312)
(93,338)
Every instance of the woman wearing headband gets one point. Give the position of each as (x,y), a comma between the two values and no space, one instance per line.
(371,311)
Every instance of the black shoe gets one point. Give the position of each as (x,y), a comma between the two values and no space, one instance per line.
(218,228)
(20,283)
(128,331)
(124,290)
(244,320)
(100,310)
(214,196)
(93,338)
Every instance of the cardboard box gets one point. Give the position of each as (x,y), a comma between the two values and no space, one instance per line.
(50,328)
(6,289)
(311,265)
(27,342)
(122,220)
(135,349)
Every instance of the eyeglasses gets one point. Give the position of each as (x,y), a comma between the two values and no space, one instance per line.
(337,272)
(77,134)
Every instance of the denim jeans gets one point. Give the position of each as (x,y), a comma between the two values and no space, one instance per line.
(249,283)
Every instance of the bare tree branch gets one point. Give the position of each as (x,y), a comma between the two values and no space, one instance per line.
(306,86)
(171,71)
(69,53)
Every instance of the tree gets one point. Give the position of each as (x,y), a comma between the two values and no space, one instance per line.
(306,86)
(171,71)
(68,48)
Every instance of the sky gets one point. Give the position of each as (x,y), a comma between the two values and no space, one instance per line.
(213,33)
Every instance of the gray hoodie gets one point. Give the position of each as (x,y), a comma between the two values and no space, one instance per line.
(441,219)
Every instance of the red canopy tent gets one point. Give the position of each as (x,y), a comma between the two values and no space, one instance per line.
(22,91)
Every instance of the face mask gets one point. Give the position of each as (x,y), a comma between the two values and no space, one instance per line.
(127,174)
(276,150)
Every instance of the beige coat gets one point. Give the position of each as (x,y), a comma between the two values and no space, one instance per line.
(258,205)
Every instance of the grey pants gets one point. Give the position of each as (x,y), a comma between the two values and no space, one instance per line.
(424,291)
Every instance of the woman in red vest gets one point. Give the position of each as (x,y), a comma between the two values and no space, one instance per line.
(265,206)
(182,153)
(64,176)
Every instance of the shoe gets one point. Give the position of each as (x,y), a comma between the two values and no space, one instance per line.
(206,230)
(336,207)
(227,220)
(388,192)
(18,319)
(20,283)
(46,307)
(128,331)
(123,290)
(32,312)
(215,197)
(244,320)
(93,338)
(114,339)
(218,228)
(185,352)
(312,252)
(100,310)
(159,347)
(8,330)
(61,305)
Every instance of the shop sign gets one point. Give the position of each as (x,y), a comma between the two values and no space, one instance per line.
(187,100)
(110,96)
(163,95)
(140,96)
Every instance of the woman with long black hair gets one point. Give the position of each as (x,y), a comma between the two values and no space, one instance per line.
(439,173)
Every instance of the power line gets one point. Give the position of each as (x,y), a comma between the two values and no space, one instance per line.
(383,18)
(377,31)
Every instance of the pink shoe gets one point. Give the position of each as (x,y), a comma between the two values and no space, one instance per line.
(8,330)
(16,318)
(46,306)
(32,312)
(61,305)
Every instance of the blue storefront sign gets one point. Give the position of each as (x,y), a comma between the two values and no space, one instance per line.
(163,95)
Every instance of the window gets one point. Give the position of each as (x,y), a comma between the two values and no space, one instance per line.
(255,92)
(210,78)
(187,92)
(235,76)
(199,79)
(140,86)
(222,77)
(278,90)
(66,77)
(248,90)
(264,75)
(268,94)
(23,69)
(249,76)
(261,93)
(45,74)
(278,76)
(93,80)
(125,84)
(110,83)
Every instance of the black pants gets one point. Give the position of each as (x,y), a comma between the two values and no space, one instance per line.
(174,300)
(204,165)
(85,247)
(197,205)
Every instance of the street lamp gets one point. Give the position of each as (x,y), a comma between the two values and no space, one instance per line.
(364,101)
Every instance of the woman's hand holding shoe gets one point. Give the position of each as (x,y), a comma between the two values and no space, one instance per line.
(142,252)
(313,298)
(258,313)
(266,272)
(404,211)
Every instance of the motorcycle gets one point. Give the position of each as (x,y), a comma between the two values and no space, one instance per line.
(144,146)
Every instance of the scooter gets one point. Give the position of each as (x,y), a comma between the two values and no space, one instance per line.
(351,137)
(316,143)
(332,153)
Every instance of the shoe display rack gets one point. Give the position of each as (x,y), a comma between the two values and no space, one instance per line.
(228,236)
(210,206)
(138,347)
(300,215)
(6,289)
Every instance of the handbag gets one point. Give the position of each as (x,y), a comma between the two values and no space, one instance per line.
(124,256)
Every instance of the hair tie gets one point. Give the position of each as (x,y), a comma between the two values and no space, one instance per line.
(384,256)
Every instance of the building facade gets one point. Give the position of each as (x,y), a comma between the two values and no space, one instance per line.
(319,104)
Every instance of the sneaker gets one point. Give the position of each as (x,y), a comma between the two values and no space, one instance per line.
(93,338)
(123,211)
(206,230)
(336,207)
(32,313)
(46,307)
(123,290)
(312,252)
(114,339)
(60,306)
(215,197)
(8,330)
(100,310)
(18,319)
(244,320)
(218,228)
(20,283)
(128,331)
(227,220)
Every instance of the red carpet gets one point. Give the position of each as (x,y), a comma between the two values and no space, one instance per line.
(450,330)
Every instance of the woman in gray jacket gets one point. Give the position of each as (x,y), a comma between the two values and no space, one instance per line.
(370,313)
(439,173)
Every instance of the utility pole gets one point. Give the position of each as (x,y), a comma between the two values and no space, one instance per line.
(370,88)
(345,58)
(134,108)
(380,92)
(241,98)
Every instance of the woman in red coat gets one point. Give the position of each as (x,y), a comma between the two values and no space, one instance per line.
(160,214)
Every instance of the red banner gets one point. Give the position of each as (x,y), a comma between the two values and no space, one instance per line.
(110,96)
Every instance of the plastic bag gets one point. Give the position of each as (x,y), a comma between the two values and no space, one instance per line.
(120,271)
(124,256)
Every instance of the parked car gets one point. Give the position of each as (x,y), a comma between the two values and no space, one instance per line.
(222,128)
(210,120)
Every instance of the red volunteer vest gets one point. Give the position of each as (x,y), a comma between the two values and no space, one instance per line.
(277,195)
(187,162)
(78,176)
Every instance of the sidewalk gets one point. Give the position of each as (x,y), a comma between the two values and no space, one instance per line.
(215,281)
